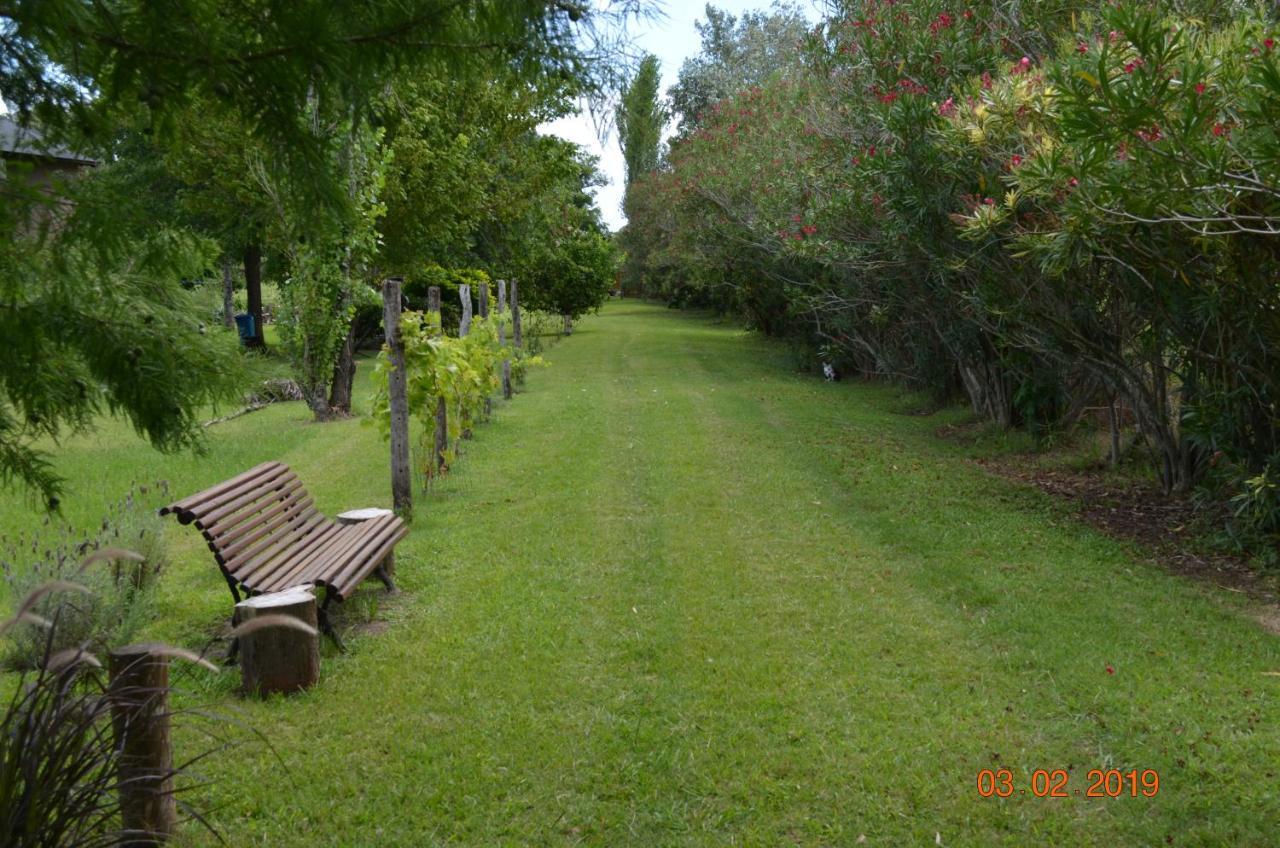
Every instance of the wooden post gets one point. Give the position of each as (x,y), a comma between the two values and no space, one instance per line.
(228,295)
(517,337)
(398,391)
(139,692)
(482,301)
(442,408)
(464,294)
(502,338)
(279,659)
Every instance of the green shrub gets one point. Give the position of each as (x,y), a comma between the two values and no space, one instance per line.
(120,600)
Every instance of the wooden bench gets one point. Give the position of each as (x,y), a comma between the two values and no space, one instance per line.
(267,535)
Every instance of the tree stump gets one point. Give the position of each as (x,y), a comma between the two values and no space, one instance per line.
(386,571)
(279,659)
(139,692)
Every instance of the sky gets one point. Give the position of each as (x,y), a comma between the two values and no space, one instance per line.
(672,37)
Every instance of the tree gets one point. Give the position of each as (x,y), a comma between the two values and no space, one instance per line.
(95,306)
(641,117)
(575,276)
(736,54)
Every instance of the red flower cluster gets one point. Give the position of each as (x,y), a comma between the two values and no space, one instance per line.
(1022,66)
(947,108)
(943,21)
(1152,134)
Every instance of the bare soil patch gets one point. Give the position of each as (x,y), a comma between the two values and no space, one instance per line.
(1167,528)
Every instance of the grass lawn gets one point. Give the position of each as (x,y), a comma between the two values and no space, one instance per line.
(677,595)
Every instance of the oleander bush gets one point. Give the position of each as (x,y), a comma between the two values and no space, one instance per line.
(1039,207)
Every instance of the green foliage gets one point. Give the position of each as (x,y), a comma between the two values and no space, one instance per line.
(640,118)
(574,277)
(223,128)
(327,263)
(1041,207)
(120,600)
(95,322)
(463,371)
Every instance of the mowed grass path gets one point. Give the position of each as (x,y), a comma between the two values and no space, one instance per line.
(676,594)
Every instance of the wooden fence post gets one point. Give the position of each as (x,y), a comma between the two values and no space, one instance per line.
(139,692)
(502,339)
(398,392)
(517,335)
(228,295)
(464,327)
(464,294)
(442,408)
(482,301)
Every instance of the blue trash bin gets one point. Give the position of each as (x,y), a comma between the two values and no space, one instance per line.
(244,323)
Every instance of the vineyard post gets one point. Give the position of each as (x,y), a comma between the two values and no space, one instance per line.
(482,301)
(517,335)
(442,409)
(398,392)
(464,294)
(502,339)
(464,327)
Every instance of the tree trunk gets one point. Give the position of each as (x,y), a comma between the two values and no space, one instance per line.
(1113,422)
(568,325)
(279,659)
(228,295)
(344,375)
(253,291)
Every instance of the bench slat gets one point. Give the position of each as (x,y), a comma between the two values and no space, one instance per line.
(246,563)
(187,503)
(337,550)
(227,529)
(314,536)
(276,520)
(266,488)
(370,555)
(299,505)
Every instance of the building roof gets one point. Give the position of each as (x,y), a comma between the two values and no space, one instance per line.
(17,140)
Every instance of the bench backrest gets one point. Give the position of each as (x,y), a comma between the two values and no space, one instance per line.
(257,523)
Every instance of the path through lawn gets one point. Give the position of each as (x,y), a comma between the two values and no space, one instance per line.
(677,594)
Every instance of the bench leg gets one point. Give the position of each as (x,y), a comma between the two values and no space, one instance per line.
(326,626)
(385,571)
